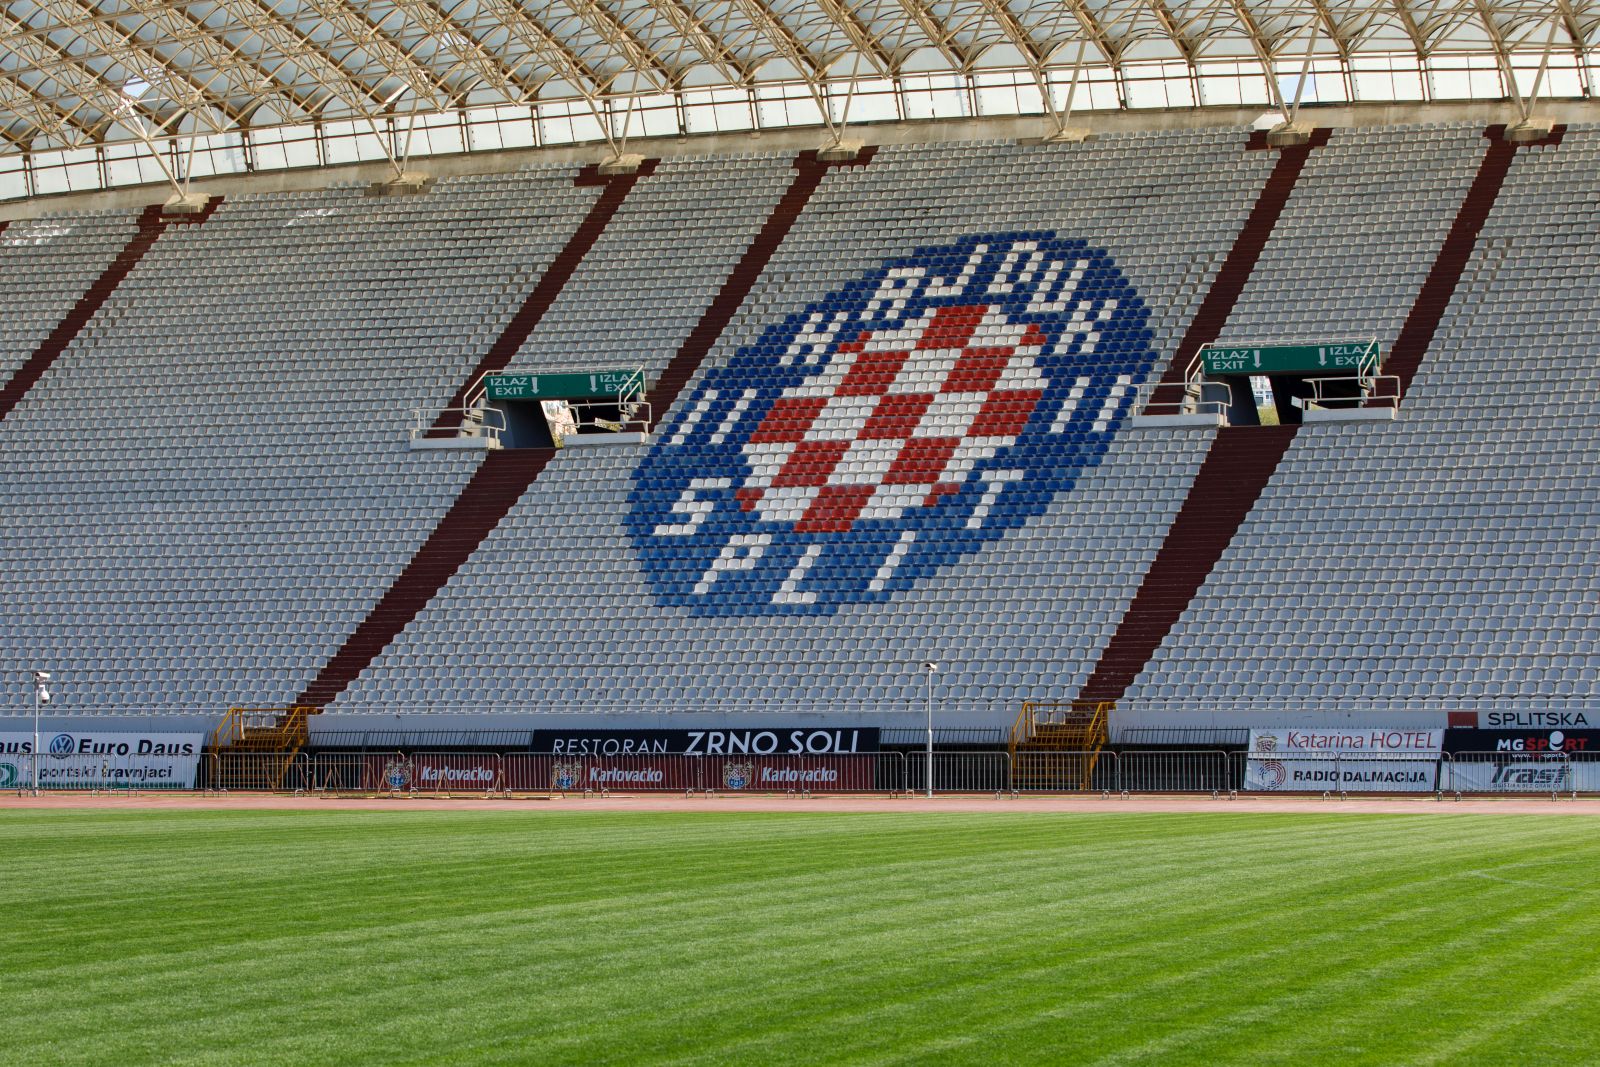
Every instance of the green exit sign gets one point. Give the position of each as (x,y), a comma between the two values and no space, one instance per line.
(562,386)
(1331,356)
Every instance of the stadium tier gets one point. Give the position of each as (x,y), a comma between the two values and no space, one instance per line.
(896,417)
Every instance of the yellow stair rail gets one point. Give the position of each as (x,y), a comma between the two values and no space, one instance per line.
(264,729)
(1078,727)
(255,746)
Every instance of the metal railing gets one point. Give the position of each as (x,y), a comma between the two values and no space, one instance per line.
(94,774)
(1188,397)
(476,421)
(633,417)
(1366,392)
(1553,773)
(990,771)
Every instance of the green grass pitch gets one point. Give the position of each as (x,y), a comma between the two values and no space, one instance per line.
(586,938)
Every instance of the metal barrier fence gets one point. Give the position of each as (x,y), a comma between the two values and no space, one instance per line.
(1555,773)
(991,771)
(1277,771)
(110,773)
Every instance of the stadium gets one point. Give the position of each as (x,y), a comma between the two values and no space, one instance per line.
(1073,521)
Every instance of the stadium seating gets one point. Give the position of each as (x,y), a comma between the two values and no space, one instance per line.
(45,265)
(1444,560)
(210,489)
(565,617)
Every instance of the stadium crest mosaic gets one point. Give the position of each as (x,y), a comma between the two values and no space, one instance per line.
(891,428)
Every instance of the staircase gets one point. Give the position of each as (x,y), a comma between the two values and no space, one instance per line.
(254,748)
(1055,747)
(506,474)
(499,483)
(715,319)
(1235,471)
(1422,322)
(551,283)
(152,224)
(1238,265)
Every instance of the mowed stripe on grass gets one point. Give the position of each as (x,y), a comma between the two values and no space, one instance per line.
(432,937)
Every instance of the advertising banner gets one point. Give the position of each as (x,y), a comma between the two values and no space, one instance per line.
(1367,761)
(618,774)
(86,759)
(522,772)
(764,741)
(796,774)
(1472,773)
(1531,741)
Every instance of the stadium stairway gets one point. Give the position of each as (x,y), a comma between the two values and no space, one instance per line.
(497,484)
(253,748)
(809,174)
(1236,468)
(1243,459)
(1056,747)
(153,222)
(1241,261)
(1440,287)
(505,475)
(615,190)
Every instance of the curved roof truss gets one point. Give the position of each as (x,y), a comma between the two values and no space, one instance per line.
(81,73)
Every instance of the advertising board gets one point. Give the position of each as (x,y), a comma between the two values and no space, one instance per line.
(764,741)
(91,759)
(1352,761)
(1522,740)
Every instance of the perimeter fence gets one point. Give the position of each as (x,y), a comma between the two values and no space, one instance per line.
(1197,771)
(109,773)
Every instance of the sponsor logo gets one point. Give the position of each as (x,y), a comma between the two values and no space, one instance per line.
(1273,774)
(625,776)
(62,746)
(891,428)
(397,773)
(736,775)
(1361,741)
(1537,719)
(8,775)
(1266,743)
(1554,741)
(456,775)
(792,776)
(565,775)
(1530,776)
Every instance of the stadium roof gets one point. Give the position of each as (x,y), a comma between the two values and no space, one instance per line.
(75,74)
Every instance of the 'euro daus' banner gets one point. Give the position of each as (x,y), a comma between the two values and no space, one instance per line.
(77,759)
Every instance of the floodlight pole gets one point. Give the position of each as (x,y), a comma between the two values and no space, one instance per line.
(931,668)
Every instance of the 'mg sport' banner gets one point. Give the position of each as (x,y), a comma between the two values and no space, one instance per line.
(78,759)
(1365,761)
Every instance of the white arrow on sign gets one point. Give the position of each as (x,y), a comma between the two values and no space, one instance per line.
(1258,358)
(1322,357)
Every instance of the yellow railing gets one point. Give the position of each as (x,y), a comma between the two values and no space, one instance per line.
(287,725)
(1094,715)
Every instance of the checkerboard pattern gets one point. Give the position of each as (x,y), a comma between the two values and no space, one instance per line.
(896,420)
